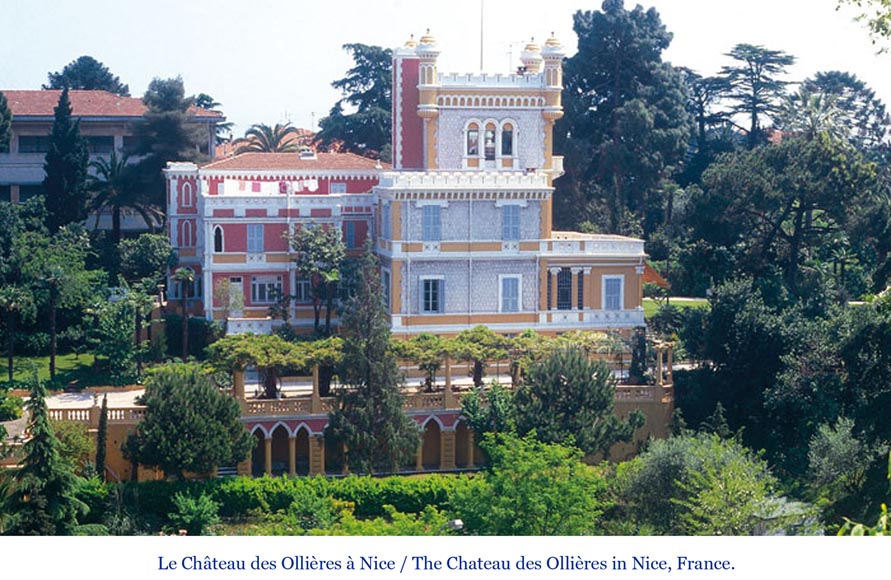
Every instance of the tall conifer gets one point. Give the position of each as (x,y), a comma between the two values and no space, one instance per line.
(65,185)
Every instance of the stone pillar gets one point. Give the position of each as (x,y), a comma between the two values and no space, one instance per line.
(659,377)
(316,455)
(446,450)
(292,455)
(588,290)
(470,439)
(267,447)
(238,384)
(574,299)
(419,457)
(95,412)
(670,364)
(243,467)
(449,400)
(316,400)
(553,272)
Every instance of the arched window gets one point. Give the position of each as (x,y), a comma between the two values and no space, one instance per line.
(218,239)
(507,140)
(473,140)
(187,197)
(489,142)
(186,239)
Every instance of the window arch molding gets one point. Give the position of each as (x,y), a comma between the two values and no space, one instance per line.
(219,243)
(187,194)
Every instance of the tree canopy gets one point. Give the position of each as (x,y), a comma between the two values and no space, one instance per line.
(5,124)
(320,255)
(625,123)
(189,424)
(86,73)
(65,184)
(261,138)
(360,121)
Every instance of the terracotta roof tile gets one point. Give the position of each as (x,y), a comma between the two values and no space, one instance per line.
(33,103)
(294,162)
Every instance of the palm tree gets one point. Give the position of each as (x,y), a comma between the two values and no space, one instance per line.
(116,187)
(262,138)
(186,277)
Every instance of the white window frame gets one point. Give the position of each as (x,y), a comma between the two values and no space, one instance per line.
(501,280)
(386,281)
(336,187)
(441,291)
(222,239)
(187,237)
(266,281)
(507,235)
(302,289)
(188,197)
(603,281)
(349,231)
(431,229)
(255,244)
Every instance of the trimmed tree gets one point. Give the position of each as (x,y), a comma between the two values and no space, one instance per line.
(189,424)
(567,398)
(368,418)
(65,185)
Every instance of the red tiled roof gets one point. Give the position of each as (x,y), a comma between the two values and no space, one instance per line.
(294,162)
(83,104)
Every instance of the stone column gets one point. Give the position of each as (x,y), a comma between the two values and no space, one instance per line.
(670,364)
(419,457)
(553,272)
(470,439)
(316,400)
(659,378)
(292,455)
(316,455)
(267,447)
(446,450)
(574,299)
(243,467)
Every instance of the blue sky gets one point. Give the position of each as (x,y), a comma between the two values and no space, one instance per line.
(273,60)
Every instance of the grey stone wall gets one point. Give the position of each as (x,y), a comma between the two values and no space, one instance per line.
(485,225)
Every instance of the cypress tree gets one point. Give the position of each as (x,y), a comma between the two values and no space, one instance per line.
(369,418)
(65,185)
(102,438)
(44,502)
(5,124)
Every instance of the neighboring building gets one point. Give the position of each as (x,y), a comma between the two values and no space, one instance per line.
(106,121)
(461,222)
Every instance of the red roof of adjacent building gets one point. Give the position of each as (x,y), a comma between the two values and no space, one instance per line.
(33,103)
(295,162)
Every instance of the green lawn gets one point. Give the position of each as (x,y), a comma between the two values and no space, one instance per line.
(69,367)
(650,305)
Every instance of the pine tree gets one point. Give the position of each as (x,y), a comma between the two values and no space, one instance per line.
(65,185)
(369,419)
(102,438)
(568,397)
(44,502)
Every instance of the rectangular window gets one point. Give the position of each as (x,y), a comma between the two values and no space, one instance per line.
(100,145)
(265,289)
(473,142)
(349,234)
(5,193)
(507,142)
(432,295)
(385,287)
(303,290)
(580,299)
(510,294)
(34,143)
(337,187)
(564,289)
(490,144)
(255,238)
(431,223)
(510,223)
(613,292)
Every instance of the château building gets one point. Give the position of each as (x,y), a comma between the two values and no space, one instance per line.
(461,221)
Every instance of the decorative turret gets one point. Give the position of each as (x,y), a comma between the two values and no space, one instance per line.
(428,53)
(531,58)
(553,62)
